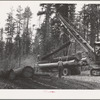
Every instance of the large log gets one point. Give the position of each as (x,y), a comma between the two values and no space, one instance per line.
(65,58)
(26,72)
(52,65)
(57,50)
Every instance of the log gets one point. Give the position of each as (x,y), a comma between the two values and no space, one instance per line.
(52,65)
(26,72)
(65,58)
(55,51)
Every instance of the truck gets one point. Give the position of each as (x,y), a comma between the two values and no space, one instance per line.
(72,66)
(70,63)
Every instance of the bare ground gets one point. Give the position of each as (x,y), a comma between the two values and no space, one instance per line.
(46,82)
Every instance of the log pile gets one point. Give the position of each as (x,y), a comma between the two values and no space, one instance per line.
(26,72)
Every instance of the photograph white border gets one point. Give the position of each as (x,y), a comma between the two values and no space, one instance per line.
(46,93)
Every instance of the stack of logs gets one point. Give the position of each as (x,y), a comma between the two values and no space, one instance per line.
(11,74)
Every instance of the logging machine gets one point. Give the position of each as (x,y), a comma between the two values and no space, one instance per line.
(71,64)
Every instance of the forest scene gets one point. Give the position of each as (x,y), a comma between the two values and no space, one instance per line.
(34,45)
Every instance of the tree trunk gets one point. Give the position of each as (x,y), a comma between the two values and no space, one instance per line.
(92,36)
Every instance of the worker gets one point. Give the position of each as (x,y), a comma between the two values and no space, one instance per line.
(60,67)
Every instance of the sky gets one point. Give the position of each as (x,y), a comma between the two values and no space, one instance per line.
(5,7)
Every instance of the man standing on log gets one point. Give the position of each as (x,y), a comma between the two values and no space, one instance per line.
(60,67)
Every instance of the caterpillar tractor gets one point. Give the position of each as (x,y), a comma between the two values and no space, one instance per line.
(72,64)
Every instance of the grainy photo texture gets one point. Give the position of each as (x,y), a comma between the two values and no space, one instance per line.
(49,45)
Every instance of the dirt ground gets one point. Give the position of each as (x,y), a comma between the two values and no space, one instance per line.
(49,82)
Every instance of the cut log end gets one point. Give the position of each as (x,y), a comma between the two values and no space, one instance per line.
(28,72)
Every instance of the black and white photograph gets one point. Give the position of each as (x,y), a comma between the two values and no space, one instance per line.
(49,45)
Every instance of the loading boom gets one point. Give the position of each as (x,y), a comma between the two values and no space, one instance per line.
(86,46)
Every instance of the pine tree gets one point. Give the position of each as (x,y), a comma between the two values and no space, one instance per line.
(2,44)
(68,12)
(10,29)
(50,34)
(19,19)
(18,41)
(45,28)
(26,35)
(90,16)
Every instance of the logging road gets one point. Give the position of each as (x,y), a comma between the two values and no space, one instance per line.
(46,82)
